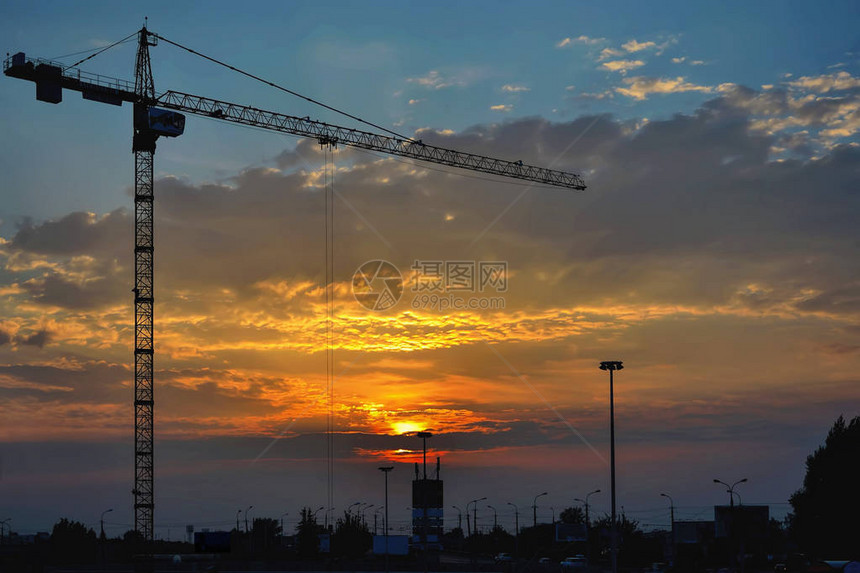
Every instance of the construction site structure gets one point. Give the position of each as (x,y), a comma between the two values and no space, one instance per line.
(160,115)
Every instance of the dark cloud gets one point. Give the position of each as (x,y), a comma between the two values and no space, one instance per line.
(54,289)
(75,234)
(39,339)
(692,196)
(5,337)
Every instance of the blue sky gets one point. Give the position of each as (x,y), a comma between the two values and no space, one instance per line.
(714,251)
(451,59)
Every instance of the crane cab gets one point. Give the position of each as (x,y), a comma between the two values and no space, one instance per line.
(163,122)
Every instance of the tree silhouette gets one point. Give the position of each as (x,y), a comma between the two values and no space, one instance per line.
(824,521)
(572,515)
(72,542)
(307,534)
(351,537)
(264,533)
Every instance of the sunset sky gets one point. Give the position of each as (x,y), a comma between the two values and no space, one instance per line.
(714,252)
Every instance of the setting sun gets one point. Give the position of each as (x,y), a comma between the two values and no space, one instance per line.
(406,427)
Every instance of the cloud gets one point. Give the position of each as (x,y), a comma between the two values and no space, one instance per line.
(607,53)
(502,107)
(778,110)
(512,88)
(839,81)
(640,87)
(679,60)
(579,40)
(434,80)
(75,233)
(622,66)
(415,101)
(5,337)
(697,62)
(594,95)
(691,251)
(634,46)
(38,339)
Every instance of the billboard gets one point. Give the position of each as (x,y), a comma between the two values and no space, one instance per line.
(571,532)
(747,520)
(212,542)
(397,545)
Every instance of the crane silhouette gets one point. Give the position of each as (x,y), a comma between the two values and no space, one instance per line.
(161,115)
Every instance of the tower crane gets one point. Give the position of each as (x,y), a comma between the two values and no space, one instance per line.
(161,115)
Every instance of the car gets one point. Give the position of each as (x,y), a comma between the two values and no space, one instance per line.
(576,562)
(503,558)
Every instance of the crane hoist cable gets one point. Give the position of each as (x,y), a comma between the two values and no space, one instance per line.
(328,182)
(282,88)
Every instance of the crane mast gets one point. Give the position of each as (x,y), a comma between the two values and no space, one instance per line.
(159,115)
(144,249)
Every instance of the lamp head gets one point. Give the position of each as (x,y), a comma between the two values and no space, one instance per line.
(611,365)
(424,434)
(386,468)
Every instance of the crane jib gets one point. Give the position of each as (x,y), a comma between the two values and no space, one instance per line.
(50,78)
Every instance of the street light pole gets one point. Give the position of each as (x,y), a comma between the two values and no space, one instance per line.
(376,519)
(672,517)
(363,521)
(282,522)
(102,522)
(495,517)
(585,502)
(459,518)
(612,366)
(386,470)
(250,507)
(731,490)
(475,513)
(534,508)
(516,529)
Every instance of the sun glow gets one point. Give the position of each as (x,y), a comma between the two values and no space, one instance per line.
(406,427)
